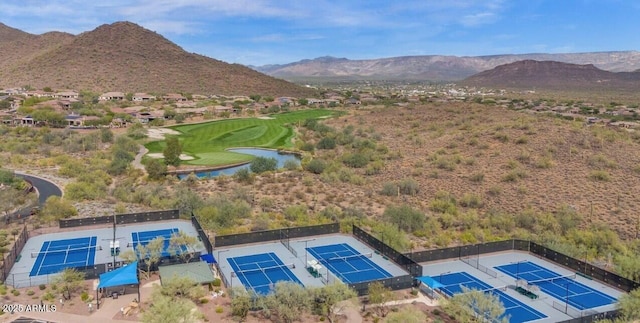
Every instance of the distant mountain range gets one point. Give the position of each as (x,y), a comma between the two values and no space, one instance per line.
(530,74)
(435,68)
(125,57)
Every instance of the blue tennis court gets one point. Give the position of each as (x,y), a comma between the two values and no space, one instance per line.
(562,288)
(260,272)
(144,237)
(517,311)
(347,263)
(57,255)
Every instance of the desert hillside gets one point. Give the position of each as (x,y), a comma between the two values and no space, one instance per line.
(125,57)
(554,75)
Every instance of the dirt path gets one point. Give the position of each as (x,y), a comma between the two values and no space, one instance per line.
(137,162)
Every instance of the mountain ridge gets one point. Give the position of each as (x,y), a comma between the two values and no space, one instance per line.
(532,74)
(437,67)
(126,57)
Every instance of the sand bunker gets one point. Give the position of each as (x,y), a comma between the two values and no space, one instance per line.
(266,118)
(159,155)
(159,133)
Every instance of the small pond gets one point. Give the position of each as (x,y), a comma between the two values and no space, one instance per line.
(279,156)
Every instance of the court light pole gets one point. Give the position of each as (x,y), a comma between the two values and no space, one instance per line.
(305,250)
(566,302)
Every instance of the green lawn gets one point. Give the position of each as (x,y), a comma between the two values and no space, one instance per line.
(207,141)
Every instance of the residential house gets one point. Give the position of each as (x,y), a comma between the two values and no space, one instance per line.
(146,117)
(76,120)
(174,97)
(112,96)
(38,94)
(311,101)
(143,97)
(67,95)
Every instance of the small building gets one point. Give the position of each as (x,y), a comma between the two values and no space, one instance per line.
(143,97)
(112,96)
(174,97)
(67,95)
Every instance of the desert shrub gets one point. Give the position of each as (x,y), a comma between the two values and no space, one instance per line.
(263,164)
(219,309)
(326,143)
(445,163)
(600,175)
(355,160)
(389,189)
(544,162)
(42,286)
(522,140)
(514,175)
(477,177)
(291,164)
(307,146)
(409,186)
(494,190)
(316,166)
(374,168)
(30,293)
(204,300)
(243,175)
(471,200)
(405,217)
(601,161)
(216,282)
(502,137)
(84,296)
(48,296)
(15,292)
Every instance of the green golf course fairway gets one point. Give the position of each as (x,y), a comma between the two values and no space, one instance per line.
(206,142)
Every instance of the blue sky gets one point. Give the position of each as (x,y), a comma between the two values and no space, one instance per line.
(258,32)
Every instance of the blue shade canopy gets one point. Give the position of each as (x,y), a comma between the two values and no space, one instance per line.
(126,275)
(432,283)
(209,258)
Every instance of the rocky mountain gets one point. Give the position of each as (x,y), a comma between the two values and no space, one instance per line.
(435,67)
(530,74)
(125,57)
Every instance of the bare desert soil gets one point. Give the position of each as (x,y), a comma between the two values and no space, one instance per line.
(513,161)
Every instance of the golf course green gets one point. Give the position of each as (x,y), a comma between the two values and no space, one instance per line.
(207,142)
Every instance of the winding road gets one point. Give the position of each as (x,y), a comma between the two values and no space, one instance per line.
(45,188)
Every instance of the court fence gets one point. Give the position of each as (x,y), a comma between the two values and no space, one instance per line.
(468,252)
(12,255)
(393,283)
(404,261)
(126,218)
(274,235)
(202,234)
(594,317)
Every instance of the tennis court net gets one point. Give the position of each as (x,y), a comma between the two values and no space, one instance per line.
(553,280)
(65,251)
(348,258)
(262,270)
(488,290)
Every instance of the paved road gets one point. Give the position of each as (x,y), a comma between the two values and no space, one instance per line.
(44,188)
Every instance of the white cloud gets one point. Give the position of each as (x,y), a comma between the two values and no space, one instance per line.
(478,19)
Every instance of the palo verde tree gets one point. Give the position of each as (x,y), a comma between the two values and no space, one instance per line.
(328,297)
(183,245)
(172,152)
(476,306)
(150,254)
(170,309)
(69,281)
(287,302)
(379,296)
